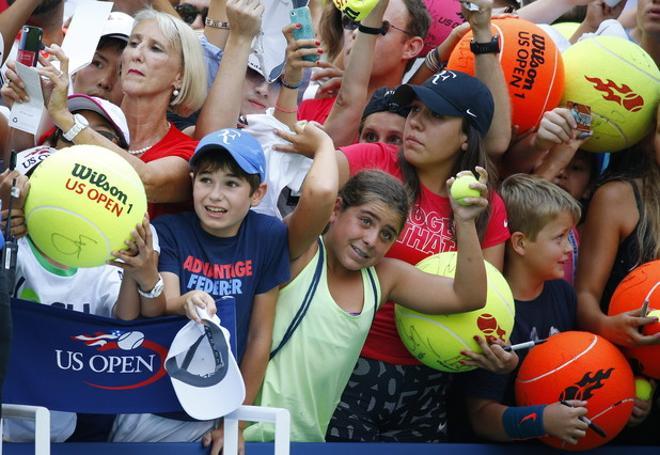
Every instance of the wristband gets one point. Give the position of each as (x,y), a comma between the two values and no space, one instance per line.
(432,61)
(524,422)
(290,86)
(214,23)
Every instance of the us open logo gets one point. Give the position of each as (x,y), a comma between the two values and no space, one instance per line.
(114,361)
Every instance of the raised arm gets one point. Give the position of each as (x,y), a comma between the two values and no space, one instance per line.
(12,19)
(548,11)
(216,30)
(432,294)
(344,119)
(319,190)
(488,70)
(223,104)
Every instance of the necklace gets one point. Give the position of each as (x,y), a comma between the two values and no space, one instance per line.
(140,151)
(144,149)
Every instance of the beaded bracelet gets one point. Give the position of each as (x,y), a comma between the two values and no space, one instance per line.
(214,23)
(432,61)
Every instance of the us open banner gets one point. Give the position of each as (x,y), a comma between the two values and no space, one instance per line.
(71,361)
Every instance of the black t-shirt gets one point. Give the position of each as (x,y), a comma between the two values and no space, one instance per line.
(553,311)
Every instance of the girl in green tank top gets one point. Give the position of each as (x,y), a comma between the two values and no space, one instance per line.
(338,282)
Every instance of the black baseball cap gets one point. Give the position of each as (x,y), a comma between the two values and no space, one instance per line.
(452,93)
(382,101)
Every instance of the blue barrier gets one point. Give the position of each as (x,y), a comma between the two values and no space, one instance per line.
(314,449)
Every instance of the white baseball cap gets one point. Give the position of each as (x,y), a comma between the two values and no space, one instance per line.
(81,102)
(118,25)
(203,370)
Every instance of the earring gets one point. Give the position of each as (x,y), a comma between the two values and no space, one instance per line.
(176,92)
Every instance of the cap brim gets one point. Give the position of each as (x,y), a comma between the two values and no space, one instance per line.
(81,102)
(407,93)
(244,164)
(211,402)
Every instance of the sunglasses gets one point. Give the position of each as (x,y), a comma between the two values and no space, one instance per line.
(190,12)
(349,24)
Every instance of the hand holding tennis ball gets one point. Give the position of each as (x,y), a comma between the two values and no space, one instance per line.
(461,189)
(468,195)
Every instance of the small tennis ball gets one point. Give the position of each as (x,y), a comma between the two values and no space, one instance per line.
(643,389)
(461,189)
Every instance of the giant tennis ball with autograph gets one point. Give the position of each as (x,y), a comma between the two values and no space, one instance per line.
(83,203)
(439,340)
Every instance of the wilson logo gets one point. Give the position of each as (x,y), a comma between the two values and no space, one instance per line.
(620,94)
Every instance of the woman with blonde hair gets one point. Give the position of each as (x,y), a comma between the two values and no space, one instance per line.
(162,70)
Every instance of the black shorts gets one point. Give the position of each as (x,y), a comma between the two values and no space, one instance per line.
(392,403)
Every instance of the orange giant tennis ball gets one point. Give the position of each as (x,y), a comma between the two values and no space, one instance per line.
(642,282)
(532,65)
(579,366)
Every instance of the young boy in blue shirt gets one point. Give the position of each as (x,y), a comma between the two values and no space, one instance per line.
(221,249)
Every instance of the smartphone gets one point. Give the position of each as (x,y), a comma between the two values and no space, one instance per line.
(303,16)
(30,45)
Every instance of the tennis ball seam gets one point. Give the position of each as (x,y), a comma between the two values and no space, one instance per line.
(563,365)
(613,125)
(437,324)
(611,407)
(619,57)
(105,238)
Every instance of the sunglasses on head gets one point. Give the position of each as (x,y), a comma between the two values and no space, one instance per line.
(349,24)
(190,12)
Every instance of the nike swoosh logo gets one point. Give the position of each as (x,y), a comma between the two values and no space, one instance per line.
(531,417)
(470,113)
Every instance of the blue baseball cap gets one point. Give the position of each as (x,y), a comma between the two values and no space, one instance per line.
(242,147)
(455,94)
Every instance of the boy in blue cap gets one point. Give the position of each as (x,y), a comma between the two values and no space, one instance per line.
(221,249)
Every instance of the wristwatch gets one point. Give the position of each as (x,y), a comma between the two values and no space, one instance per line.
(156,291)
(492,47)
(80,123)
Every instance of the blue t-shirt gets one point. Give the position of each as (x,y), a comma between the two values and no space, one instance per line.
(252,262)
(553,311)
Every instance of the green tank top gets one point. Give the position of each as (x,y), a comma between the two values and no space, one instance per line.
(309,374)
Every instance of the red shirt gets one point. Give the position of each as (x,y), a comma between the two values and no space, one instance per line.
(316,109)
(428,230)
(175,143)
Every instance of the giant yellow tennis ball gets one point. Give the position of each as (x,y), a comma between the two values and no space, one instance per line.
(621,84)
(437,340)
(566,29)
(83,203)
(460,189)
(356,10)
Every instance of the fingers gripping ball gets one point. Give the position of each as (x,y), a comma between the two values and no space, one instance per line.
(579,366)
(621,84)
(356,10)
(641,283)
(460,189)
(437,340)
(83,203)
(532,66)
